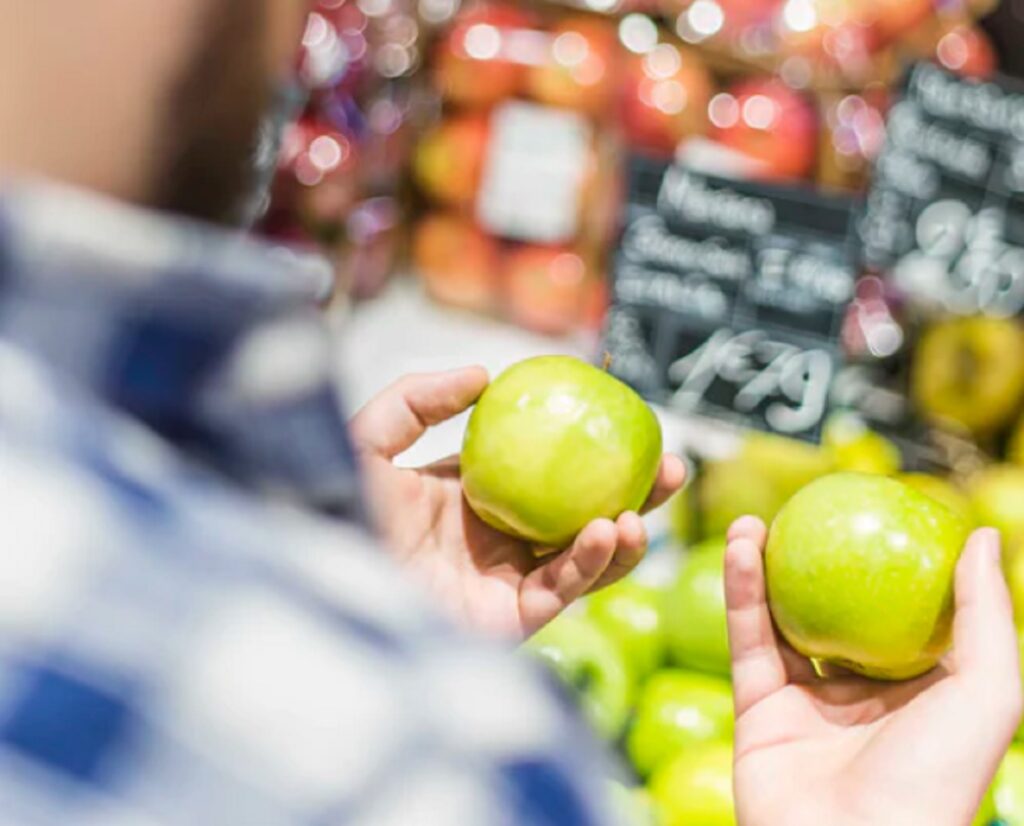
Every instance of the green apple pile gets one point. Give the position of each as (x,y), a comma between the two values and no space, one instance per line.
(655,684)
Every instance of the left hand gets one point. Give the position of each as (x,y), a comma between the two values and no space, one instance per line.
(492,582)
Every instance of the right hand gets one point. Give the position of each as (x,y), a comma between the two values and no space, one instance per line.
(848,750)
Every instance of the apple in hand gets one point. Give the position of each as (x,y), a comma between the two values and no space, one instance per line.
(942,491)
(770,123)
(859,572)
(631,614)
(591,666)
(675,711)
(554,443)
(695,611)
(696,788)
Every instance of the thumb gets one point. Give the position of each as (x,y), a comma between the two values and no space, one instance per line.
(984,636)
(399,415)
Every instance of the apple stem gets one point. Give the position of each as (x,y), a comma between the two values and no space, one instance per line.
(607,362)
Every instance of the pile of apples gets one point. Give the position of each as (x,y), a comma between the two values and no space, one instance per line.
(648,658)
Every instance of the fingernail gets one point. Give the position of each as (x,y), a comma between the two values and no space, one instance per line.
(992,542)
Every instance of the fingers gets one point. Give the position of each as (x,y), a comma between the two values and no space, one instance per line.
(399,415)
(629,552)
(758,669)
(548,589)
(984,637)
(671,475)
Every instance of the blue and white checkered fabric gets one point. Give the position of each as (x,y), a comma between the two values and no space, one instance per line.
(173,650)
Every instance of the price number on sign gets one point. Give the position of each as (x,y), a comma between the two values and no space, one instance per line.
(963,257)
(752,373)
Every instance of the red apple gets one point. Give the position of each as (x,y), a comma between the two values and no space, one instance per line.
(448,161)
(665,98)
(968,51)
(581,66)
(457,262)
(769,122)
(475,66)
(545,288)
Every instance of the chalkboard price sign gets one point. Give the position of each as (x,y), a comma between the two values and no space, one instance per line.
(728,297)
(945,214)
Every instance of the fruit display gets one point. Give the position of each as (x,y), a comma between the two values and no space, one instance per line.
(538,108)
(554,443)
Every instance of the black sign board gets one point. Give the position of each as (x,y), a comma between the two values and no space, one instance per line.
(945,214)
(728,297)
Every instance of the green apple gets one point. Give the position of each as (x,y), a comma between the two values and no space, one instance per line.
(591,666)
(1008,788)
(554,443)
(788,464)
(1013,567)
(997,495)
(631,614)
(942,491)
(970,372)
(1015,451)
(632,806)
(730,488)
(695,788)
(676,710)
(1019,736)
(857,449)
(695,611)
(987,813)
(683,516)
(860,573)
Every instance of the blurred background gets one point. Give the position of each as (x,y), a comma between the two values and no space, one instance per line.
(792,224)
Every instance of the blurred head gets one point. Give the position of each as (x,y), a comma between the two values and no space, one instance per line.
(158,103)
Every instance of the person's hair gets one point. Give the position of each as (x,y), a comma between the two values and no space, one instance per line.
(213,116)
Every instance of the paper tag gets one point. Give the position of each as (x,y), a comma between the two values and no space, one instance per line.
(534,173)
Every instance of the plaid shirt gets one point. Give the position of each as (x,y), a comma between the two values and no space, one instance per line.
(173,648)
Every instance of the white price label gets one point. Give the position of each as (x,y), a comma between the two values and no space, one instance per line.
(534,173)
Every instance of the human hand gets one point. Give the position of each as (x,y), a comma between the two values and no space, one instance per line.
(492,582)
(848,750)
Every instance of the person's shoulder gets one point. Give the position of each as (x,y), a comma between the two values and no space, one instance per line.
(261,658)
